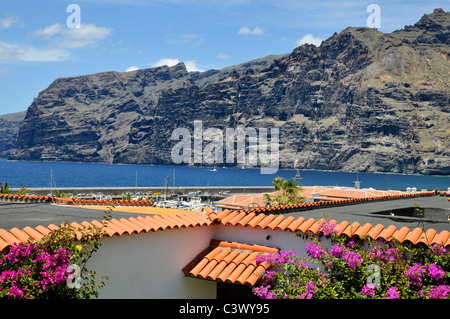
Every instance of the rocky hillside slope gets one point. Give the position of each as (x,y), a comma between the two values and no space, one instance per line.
(363,101)
(9,129)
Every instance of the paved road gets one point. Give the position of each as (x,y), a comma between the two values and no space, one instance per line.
(21,215)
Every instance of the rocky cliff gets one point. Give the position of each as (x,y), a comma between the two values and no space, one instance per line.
(363,101)
(9,129)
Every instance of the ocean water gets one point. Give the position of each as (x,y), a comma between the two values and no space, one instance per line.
(41,174)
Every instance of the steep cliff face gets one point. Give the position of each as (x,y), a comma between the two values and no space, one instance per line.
(362,101)
(9,129)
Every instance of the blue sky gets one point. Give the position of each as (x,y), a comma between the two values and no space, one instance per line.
(39,45)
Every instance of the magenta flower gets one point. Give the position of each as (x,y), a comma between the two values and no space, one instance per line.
(315,251)
(337,251)
(311,288)
(414,274)
(438,249)
(439,292)
(353,259)
(264,293)
(269,275)
(327,227)
(392,293)
(435,272)
(15,291)
(282,257)
(389,255)
(368,290)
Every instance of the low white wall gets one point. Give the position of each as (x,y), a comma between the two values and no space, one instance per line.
(149,265)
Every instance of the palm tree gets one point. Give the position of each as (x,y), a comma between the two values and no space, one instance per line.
(7,190)
(287,192)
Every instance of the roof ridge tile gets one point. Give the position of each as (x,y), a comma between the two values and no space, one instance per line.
(36,235)
(152,223)
(276,221)
(304,227)
(386,233)
(414,235)
(427,236)
(401,233)
(19,234)
(244,221)
(295,224)
(254,221)
(265,221)
(363,230)
(134,224)
(350,230)
(442,238)
(233,221)
(285,223)
(375,231)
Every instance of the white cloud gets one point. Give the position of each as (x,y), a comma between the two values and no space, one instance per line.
(247,30)
(74,38)
(168,62)
(7,22)
(223,56)
(22,52)
(190,65)
(50,31)
(309,38)
(132,68)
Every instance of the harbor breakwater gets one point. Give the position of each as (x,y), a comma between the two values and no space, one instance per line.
(201,190)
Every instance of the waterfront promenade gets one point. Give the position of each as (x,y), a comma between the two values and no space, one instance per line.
(214,190)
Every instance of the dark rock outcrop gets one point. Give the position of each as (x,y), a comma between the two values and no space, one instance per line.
(9,129)
(362,101)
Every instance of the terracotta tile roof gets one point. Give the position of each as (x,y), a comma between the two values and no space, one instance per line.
(70,201)
(137,209)
(256,200)
(113,227)
(263,218)
(333,202)
(252,219)
(26,198)
(229,262)
(309,192)
(333,193)
(241,201)
(109,202)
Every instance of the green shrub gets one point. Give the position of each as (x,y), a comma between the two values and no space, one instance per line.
(357,269)
(54,267)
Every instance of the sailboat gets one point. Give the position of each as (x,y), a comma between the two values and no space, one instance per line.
(297,176)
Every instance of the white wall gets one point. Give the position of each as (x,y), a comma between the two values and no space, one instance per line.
(149,265)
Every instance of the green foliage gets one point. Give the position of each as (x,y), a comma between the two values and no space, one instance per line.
(357,269)
(54,267)
(287,192)
(6,189)
(60,195)
(127,196)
